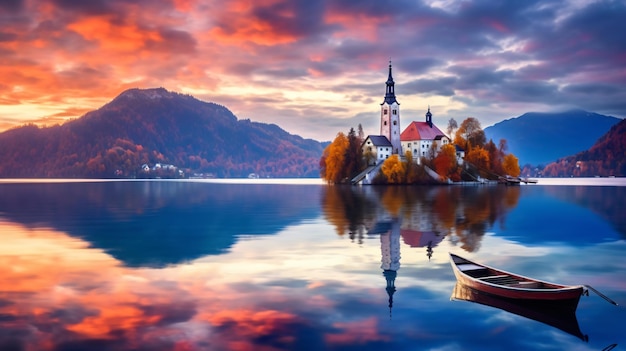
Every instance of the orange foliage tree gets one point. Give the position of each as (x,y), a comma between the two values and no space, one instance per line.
(479,157)
(394,170)
(510,165)
(332,162)
(445,162)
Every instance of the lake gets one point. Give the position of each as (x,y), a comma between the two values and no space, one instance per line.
(299,265)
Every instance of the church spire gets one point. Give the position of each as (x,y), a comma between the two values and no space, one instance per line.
(390,277)
(429,117)
(390,95)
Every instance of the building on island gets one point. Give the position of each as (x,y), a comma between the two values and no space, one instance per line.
(376,148)
(422,137)
(390,116)
(418,137)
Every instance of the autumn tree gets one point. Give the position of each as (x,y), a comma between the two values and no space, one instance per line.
(495,157)
(445,162)
(394,170)
(412,169)
(332,162)
(479,157)
(510,165)
(353,159)
(470,134)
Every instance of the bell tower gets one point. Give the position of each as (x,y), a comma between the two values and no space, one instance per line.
(390,116)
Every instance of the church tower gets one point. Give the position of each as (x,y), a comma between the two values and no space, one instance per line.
(390,116)
(390,250)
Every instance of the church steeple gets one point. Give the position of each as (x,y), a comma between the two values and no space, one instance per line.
(390,95)
(390,277)
(390,116)
(429,117)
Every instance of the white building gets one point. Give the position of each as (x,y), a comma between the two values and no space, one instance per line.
(378,147)
(419,137)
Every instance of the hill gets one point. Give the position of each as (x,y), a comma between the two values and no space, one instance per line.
(539,138)
(605,158)
(155,127)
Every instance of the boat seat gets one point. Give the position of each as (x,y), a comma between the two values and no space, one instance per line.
(468,267)
(493,277)
(527,285)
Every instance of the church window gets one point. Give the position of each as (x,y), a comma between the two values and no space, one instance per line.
(395,122)
(385,123)
(395,112)
(384,112)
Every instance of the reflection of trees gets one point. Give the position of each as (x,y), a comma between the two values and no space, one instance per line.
(462,213)
(348,209)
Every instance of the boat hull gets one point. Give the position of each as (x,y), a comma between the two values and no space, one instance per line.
(560,314)
(501,283)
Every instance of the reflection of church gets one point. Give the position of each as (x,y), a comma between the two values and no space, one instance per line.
(414,235)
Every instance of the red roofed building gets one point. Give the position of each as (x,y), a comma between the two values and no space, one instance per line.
(420,137)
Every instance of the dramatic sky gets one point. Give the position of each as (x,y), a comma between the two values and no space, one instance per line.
(315,67)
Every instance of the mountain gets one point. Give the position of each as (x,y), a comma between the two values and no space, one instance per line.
(607,157)
(539,138)
(156,127)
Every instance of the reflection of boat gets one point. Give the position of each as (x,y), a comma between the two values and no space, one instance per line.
(502,283)
(560,314)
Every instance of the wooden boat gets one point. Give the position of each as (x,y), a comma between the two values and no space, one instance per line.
(498,282)
(560,314)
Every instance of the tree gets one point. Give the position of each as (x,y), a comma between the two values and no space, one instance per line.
(470,134)
(332,164)
(413,174)
(452,126)
(479,157)
(511,165)
(353,160)
(394,170)
(445,162)
(495,157)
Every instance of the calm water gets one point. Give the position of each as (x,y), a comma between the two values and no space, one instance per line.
(224,266)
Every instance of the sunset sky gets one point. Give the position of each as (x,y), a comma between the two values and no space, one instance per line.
(315,67)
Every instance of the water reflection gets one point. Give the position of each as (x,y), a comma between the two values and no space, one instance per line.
(190,220)
(426,215)
(78,273)
(558,314)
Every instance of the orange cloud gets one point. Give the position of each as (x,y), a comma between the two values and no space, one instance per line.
(114,37)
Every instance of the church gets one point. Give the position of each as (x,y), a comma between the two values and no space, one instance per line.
(417,137)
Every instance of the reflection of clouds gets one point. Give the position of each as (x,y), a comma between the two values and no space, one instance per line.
(308,289)
(356,333)
(65,294)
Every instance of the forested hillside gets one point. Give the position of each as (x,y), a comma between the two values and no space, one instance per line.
(156,127)
(540,138)
(607,157)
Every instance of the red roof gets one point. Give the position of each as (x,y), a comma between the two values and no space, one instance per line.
(421,131)
(416,238)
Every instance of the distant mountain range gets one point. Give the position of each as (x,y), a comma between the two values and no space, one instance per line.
(540,138)
(607,157)
(147,133)
(154,132)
